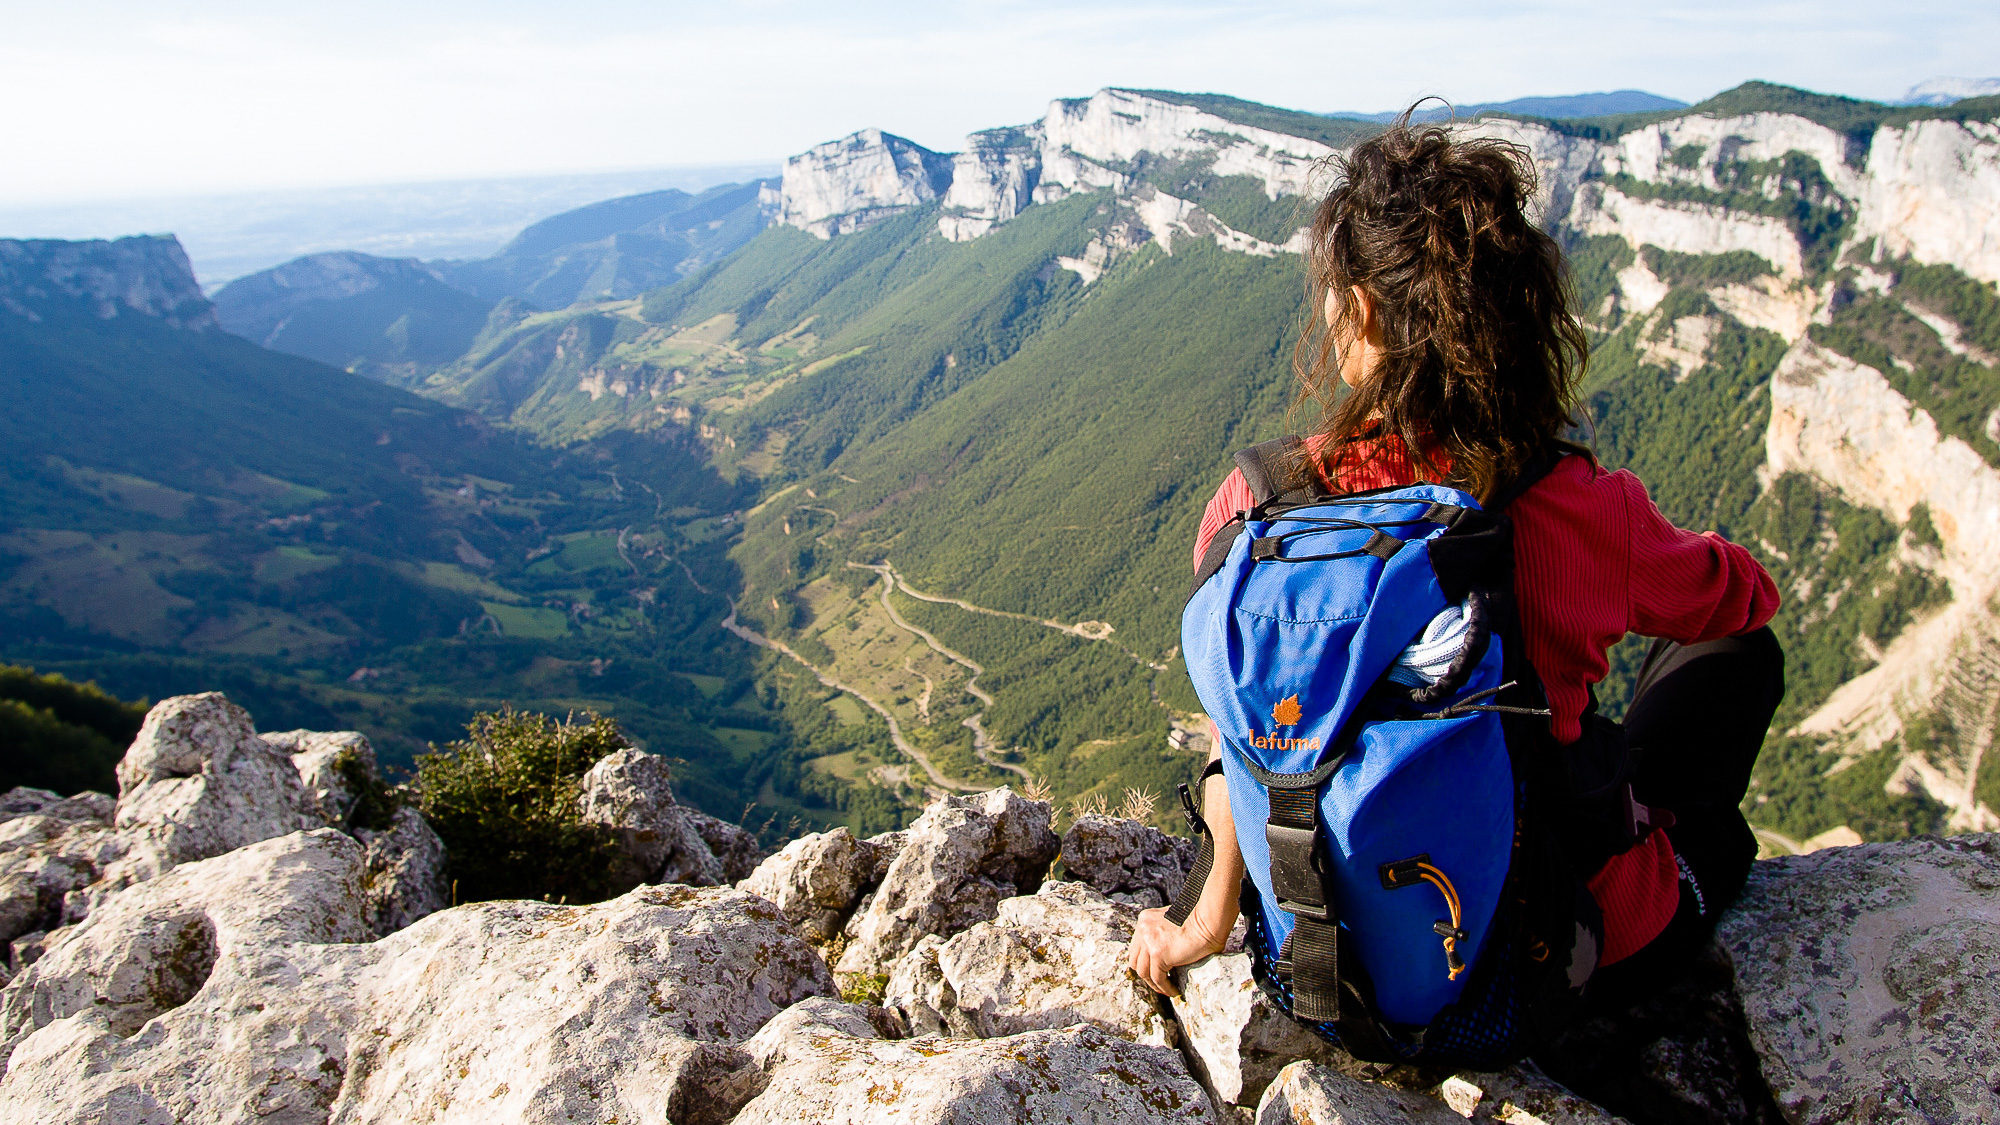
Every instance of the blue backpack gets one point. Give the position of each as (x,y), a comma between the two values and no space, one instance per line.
(1390,769)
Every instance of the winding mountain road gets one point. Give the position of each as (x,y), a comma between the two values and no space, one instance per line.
(982,742)
(940,784)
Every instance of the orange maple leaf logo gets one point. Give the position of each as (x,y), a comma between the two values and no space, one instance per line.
(1286,713)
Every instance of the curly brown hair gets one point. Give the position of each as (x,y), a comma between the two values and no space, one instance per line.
(1481,355)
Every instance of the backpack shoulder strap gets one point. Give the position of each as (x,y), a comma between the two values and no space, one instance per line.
(1275,469)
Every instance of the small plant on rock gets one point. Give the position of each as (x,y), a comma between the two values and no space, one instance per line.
(505,802)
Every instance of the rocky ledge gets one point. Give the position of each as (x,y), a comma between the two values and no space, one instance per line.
(222,944)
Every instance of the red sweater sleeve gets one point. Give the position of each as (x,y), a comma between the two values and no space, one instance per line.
(1231,498)
(1688,587)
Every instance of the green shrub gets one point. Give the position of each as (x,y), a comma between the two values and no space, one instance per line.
(504,801)
(60,735)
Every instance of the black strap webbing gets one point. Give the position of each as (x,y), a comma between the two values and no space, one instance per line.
(1204,859)
(1274,468)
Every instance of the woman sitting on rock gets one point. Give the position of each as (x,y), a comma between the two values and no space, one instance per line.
(1448,333)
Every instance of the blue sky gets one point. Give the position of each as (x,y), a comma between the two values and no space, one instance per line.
(126,98)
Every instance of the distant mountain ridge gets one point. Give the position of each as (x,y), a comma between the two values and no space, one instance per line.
(1950,91)
(146,275)
(398,318)
(1560,107)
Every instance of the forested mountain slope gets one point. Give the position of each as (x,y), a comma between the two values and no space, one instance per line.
(183,510)
(1012,374)
(398,319)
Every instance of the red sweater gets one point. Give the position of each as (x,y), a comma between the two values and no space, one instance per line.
(1593,561)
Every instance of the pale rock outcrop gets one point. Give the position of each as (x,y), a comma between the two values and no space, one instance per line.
(842,186)
(1308,1093)
(634,1009)
(790,1032)
(991,181)
(1647,153)
(329,765)
(1843,423)
(1052,959)
(1930,194)
(1236,1039)
(816,880)
(1685,228)
(50,847)
(1520,1095)
(1870,979)
(1115,127)
(1127,860)
(151,948)
(199,782)
(887,845)
(402,872)
(630,792)
(735,847)
(86,807)
(960,858)
(827,1074)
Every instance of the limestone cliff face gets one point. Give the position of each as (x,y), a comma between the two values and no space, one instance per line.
(146,274)
(845,185)
(1080,145)
(991,181)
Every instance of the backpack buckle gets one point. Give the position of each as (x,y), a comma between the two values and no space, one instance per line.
(1316,911)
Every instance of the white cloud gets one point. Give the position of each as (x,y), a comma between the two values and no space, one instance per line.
(119,97)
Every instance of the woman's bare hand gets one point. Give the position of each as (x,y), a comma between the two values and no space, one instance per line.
(1159,947)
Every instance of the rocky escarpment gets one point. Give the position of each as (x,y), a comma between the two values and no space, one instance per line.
(235,968)
(1080,145)
(844,185)
(147,275)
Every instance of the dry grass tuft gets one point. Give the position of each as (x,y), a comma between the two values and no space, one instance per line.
(1138,804)
(1090,804)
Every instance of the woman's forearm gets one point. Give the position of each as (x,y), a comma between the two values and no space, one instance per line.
(1214,914)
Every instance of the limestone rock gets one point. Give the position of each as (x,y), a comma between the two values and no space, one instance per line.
(50,847)
(1048,960)
(845,185)
(632,1010)
(1870,979)
(1080,1075)
(152,948)
(202,783)
(990,181)
(328,763)
(87,806)
(788,1035)
(1236,1039)
(887,845)
(1521,1095)
(402,872)
(816,881)
(1127,860)
(1308,1093)
(630,792)
(733,846)
(961,857)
